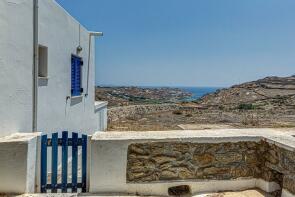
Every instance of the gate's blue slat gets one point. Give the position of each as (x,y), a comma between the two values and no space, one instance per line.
(43,163)
(54,162)
(84,162)
(74,161)
(64,179)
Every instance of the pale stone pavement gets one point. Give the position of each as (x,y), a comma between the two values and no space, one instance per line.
(246,193)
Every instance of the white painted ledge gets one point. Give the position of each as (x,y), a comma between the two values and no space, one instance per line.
(267,186)
(100,105)
(281,137)
(19,137)
(43,78)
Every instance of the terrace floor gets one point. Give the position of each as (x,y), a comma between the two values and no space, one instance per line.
(246,193)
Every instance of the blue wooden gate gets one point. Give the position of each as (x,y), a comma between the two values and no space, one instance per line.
(54,142)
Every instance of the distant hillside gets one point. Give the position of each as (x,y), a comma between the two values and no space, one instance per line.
(267,93)
(124,96)
(265,103)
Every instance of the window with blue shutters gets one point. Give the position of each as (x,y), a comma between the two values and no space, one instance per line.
(76,75)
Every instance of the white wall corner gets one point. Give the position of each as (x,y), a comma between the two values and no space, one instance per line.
(267,186)
(31,165)
(286,193)
(37,187)
(18,163)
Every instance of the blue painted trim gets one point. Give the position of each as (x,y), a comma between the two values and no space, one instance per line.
(54,162)
(76,75)
(43,168)
(64,178)
(74,161)
(84,163)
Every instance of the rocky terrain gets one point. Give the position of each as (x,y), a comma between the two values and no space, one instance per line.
(267,93)
(268,102)
(125,96)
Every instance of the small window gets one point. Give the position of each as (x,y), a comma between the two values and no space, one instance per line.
(43,61)
(76,75)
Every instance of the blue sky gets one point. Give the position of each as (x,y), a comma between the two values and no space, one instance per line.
(189,42)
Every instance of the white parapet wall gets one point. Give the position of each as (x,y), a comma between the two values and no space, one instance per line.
(18,163)
(110,153)
(286,193)
(102,115)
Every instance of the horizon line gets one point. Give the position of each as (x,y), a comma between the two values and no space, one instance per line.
(160,86)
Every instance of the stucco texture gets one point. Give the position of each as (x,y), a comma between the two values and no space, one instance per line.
(18,163)
(16,60)
(61,34)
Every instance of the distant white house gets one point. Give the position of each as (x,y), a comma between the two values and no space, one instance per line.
(47,70)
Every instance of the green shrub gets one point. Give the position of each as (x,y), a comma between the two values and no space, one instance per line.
(245,106)
(177,112)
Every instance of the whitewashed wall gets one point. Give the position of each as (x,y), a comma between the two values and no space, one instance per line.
(102,112)
(16,60)
(61,34)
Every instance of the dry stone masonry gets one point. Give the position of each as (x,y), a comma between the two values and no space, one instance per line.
(166,161)
(132,111)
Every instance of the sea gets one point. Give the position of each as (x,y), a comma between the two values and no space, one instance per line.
(198,92)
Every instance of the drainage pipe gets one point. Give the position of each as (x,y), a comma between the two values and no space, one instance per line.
(89,52)
(35,66)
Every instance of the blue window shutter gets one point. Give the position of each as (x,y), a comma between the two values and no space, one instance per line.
(76,75)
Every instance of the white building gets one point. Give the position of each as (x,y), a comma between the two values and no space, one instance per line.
(51,91)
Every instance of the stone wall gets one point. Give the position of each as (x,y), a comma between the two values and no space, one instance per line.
(117,113)
(163,161)
(166,161)
(289,183)
(281,162)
